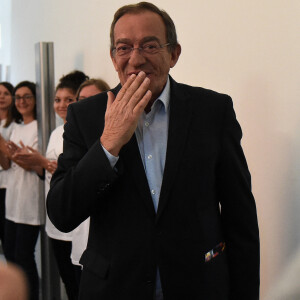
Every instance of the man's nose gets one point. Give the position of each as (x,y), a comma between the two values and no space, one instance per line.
(136,58)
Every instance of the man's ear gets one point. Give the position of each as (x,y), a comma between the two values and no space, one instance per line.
(175,55)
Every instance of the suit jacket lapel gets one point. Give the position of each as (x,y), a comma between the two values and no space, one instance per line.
(178,125)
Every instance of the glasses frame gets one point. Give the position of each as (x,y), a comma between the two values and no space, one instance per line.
(25,97)
(141,51)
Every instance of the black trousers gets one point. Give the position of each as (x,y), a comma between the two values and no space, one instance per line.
(19,248)
(2,215)
(77,273)
(62,253)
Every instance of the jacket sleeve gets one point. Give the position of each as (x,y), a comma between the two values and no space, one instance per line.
(83,177)
(238,212)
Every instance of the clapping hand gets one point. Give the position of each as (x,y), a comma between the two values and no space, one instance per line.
(16,154)
(12,148)
(51,166)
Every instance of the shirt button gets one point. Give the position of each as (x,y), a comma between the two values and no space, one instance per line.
(149,156)
(147,124)
(153,192)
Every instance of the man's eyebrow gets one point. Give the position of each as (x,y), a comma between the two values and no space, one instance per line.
(123,41)
(142,41)
(149,39)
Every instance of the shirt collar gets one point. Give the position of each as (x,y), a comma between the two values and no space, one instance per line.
(164,97)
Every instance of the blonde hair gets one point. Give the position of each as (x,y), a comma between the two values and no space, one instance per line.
(99,83)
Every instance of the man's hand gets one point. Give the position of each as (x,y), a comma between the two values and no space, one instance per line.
(123,112)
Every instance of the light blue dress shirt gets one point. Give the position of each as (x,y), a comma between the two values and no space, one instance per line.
(152,136)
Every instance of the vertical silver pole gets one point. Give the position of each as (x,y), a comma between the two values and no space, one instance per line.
(44,66)
(7,73)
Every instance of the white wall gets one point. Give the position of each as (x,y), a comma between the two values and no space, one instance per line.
(248,49)
(5,22)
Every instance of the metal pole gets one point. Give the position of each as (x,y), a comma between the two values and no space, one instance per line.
(44,66)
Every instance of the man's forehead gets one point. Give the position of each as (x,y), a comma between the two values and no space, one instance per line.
(145,25)
(137,14)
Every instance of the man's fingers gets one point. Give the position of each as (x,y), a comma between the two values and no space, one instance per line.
(139,93)
(131,86)
(110,98)
(125,87)
(123,112)
(141,105)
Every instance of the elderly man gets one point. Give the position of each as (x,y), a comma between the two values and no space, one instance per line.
(158,167)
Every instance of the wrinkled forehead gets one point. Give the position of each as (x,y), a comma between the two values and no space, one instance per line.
(138,27)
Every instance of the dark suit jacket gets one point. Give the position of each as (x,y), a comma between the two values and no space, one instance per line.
(205,199)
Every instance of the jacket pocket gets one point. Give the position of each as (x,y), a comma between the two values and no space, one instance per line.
(216,251)
(95,263)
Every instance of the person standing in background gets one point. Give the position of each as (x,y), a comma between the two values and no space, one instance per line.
(91,87)
(24,208)
(87,89)
(8,113)
(61,242)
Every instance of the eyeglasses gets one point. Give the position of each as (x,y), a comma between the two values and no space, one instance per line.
(25,98)
(148,48)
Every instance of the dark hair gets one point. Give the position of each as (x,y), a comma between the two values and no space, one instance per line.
(8,86)
(32,88)
(171,35)
(99,83)
(72,81)
(10,117)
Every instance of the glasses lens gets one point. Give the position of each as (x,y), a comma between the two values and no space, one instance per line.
(151,48)
(147,48)
(123,50)
(27,97)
